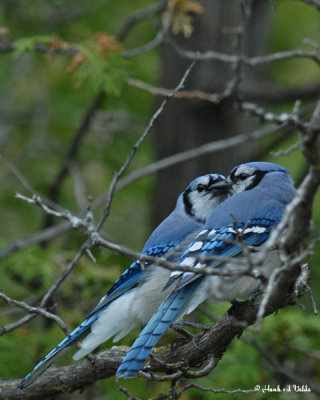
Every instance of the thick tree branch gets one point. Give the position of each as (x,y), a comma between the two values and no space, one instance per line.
(66,379)
(214,342)
(174,362)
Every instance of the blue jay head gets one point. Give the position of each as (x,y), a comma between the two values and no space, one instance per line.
(247,176)
(204,194)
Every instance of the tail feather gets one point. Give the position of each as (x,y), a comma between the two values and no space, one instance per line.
(168,312)
(56,353)
(116,320)
(113,319)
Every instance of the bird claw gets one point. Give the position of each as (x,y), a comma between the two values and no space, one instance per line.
(191,324)
(187,335)
(194,344)
(182,331)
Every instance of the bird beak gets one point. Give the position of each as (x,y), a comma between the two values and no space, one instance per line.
(222,187)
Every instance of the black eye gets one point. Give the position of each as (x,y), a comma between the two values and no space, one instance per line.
(242,177)
(201,187)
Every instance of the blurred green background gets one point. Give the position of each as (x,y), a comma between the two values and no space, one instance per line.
(41,104)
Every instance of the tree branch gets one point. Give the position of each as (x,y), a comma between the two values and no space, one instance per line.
(140,15)
(278,368)
(267,91)
(250,61)
(314,3)
(35,310)
(208,148)
(67,379)
(71,154)
(146,132)
(213,341)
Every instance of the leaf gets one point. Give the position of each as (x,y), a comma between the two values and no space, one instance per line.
(76,61)
(100,64)
(187,6)
(182,23)
(179,16)
(106,42)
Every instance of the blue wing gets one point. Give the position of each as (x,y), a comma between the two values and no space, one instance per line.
(129,279)
(218,242)
(132,276)
(222,242)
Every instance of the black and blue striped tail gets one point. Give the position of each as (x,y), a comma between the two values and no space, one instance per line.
(153,331)
(57,352)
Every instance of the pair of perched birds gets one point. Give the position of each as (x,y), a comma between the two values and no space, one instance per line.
(214,216)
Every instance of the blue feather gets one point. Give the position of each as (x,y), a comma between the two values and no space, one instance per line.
(174,233)
(262,191)
(167,313)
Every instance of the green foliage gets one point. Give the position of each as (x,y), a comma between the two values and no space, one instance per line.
(287,36)
(281,336)
(25,44)
(43,97)
(101,65)
(32,270)
(46,100)
(99,62)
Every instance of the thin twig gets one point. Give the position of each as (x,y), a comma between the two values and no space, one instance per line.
(56,285)
(237,66)
(146,132)
(72,152)
(251,61)
(278,368)
(206,389)
(96,240)
(24,180)
(147,47)
(144,13)
(35,310)
(125,391)
(267,116)
(314,3)
(15,325)
(182,94)
(266,91)
(209,148)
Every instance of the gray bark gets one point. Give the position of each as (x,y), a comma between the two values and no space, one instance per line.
(190,123)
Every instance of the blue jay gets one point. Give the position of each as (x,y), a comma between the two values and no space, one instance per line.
(261,192)
(137,294)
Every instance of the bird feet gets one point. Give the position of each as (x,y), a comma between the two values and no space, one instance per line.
(177,326)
